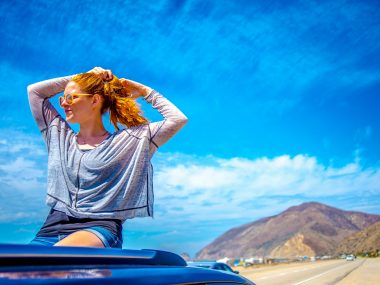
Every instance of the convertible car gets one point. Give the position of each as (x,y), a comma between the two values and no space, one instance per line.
(31,264)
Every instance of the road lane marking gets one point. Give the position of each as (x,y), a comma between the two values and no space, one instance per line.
(318,275)
(266,277)
(271,276)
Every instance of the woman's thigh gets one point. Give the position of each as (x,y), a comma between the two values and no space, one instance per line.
(81,238)
(91,237)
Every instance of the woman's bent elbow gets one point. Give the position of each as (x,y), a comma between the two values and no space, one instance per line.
(184,120)
(30,89)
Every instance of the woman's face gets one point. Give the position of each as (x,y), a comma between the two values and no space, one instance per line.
(81,107)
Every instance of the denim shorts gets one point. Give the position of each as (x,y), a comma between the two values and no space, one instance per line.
(108,239)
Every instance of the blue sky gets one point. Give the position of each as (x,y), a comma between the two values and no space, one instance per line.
(281,96)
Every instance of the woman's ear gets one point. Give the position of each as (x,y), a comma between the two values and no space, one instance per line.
(97,100)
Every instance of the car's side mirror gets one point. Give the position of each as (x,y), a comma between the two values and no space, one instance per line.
(236,272)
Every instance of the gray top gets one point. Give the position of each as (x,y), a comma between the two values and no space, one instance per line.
(113,180)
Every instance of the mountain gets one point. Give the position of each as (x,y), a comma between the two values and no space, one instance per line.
(367,240)
(310,229)
(185,256)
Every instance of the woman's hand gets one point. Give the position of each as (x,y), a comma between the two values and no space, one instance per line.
(134,88)
(105,74)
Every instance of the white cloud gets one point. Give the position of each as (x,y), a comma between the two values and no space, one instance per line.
(22,162)
(208,188)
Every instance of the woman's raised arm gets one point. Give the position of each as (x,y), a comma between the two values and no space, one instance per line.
(174,119)
(39,93)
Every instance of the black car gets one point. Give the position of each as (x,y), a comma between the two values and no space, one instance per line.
(31,264)
(212,265)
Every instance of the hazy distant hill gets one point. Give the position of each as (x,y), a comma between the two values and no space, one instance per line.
(308,229)
(366,240)
(185,256)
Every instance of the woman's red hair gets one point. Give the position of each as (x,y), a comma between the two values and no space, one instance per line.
(116,99)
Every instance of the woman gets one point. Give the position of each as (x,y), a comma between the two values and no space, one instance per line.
(97,180)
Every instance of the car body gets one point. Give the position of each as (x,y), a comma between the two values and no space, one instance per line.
(32,264)
(350,257)
(212,265)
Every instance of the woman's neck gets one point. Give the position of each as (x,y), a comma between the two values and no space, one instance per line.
(92,133)
(92,129)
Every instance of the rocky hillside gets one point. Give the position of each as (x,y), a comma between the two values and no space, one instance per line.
(367,240)
(308,229)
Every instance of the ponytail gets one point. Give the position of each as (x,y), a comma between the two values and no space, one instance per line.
(116,99)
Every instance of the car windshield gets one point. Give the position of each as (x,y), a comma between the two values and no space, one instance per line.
(226,268)
(203,265)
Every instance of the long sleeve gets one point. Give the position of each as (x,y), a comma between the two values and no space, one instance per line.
(173,121)
(39,93)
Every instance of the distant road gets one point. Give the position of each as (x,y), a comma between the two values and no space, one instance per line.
(340,272)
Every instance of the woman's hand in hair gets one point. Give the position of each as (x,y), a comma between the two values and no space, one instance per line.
(135,89)
(105,74)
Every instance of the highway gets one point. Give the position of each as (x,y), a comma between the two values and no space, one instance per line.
(340,272)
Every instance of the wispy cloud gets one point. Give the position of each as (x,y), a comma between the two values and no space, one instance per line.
(291,45)
(240,179)
(22,176)
(22,161)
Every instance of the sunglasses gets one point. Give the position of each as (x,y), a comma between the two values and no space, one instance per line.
(69,98)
